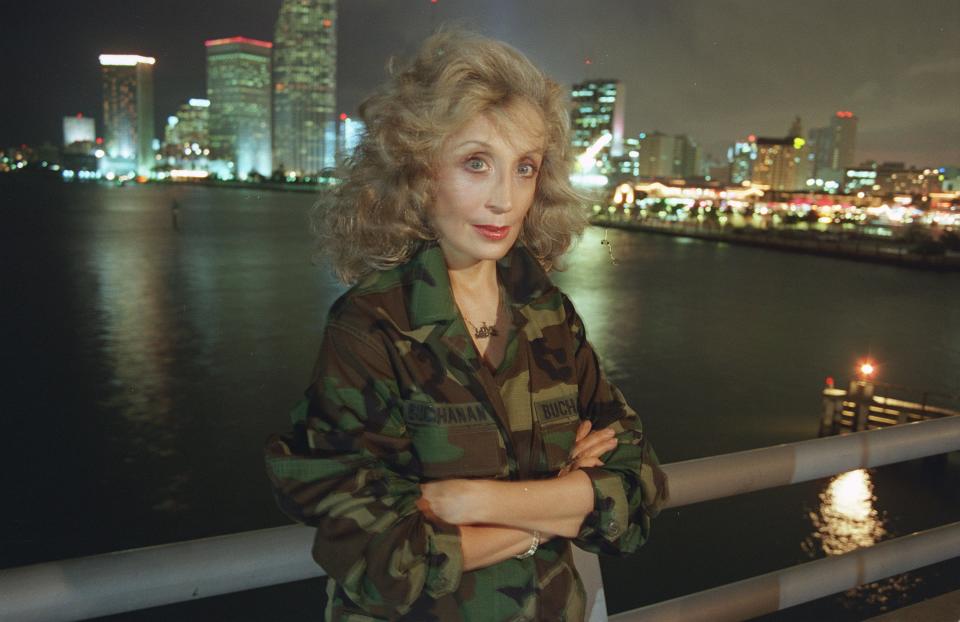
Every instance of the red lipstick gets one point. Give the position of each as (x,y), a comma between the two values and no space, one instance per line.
(491,232)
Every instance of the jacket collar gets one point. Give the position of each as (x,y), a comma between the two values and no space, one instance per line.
(431,299)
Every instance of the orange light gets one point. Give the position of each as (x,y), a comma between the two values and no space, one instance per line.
(263,44)
(327,23)
(867,369)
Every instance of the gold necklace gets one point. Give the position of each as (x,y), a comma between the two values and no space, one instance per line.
(485,331)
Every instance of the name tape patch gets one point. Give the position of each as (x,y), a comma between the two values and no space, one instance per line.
(443,414)
(558,408)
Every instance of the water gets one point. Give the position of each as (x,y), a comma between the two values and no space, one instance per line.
(147,364)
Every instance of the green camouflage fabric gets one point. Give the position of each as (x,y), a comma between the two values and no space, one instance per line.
(401,397)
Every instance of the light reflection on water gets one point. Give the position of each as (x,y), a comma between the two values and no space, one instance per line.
(139,338)
(847,520)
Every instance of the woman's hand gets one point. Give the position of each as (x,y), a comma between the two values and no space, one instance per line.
(588,447)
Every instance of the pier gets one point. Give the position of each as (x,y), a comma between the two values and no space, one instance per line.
(866,405)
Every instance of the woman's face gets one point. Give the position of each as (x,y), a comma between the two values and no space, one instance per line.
(486,182)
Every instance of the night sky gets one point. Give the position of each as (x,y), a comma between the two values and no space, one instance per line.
(716,70)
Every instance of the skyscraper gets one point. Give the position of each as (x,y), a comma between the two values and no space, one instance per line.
(844,125)
(597,110)
(128,113)
(777,163)
(835,145)
(657,155)
(238,87)
(187,135)
(304,85)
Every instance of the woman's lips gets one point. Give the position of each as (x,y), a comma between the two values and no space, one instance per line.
(492,233)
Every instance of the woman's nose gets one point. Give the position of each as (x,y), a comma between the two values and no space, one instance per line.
(501,194)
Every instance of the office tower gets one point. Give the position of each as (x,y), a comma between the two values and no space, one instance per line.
(597,111)
(657,152)
(187,135)
(777,163)
(686,157)
(742,156)
(78,129)
(238,87)
(304,85)
(821,143)
(349,133)
(844,126)
(128,113)
(834,146)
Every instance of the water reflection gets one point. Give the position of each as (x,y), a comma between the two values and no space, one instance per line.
(847,519)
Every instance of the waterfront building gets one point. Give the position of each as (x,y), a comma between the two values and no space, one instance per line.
(127,114)
(834,146)
(860,179)
(79,144)
(186,140)
(890,179)
(349,133)
(844,126)
(78,129)
(304,86)
(742,155)
(238,88)
(950,178)
(657,154)
(686,157)
(627,166)
(777,163)
(596,120)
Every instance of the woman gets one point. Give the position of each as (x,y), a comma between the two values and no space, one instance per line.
(459,433)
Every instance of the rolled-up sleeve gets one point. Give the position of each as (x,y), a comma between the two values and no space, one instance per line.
(630,487)
(343,470)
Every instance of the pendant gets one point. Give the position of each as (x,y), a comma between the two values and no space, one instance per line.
(484,332)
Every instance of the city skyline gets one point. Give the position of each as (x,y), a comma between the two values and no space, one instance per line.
(685,66)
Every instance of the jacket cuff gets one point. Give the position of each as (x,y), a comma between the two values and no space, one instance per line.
(444,560)
(610,516)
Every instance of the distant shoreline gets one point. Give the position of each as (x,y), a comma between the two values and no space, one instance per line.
(888,252)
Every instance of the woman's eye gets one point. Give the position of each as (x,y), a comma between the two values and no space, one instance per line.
(526,170)
(476,164)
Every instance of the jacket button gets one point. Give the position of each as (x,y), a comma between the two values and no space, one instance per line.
(613,528)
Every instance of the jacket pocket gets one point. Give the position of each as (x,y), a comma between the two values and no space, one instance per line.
(455,440)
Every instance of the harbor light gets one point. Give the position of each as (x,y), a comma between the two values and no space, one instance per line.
(866,370)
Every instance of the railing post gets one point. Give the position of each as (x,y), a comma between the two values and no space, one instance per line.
(832,409)
(861,394)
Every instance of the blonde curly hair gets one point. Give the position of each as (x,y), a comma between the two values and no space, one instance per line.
(376,219)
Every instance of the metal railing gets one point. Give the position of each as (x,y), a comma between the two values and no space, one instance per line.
(137,579)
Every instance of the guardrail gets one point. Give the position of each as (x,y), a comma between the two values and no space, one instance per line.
(101,585)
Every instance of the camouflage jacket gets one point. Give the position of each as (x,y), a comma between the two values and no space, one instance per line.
(400,397)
